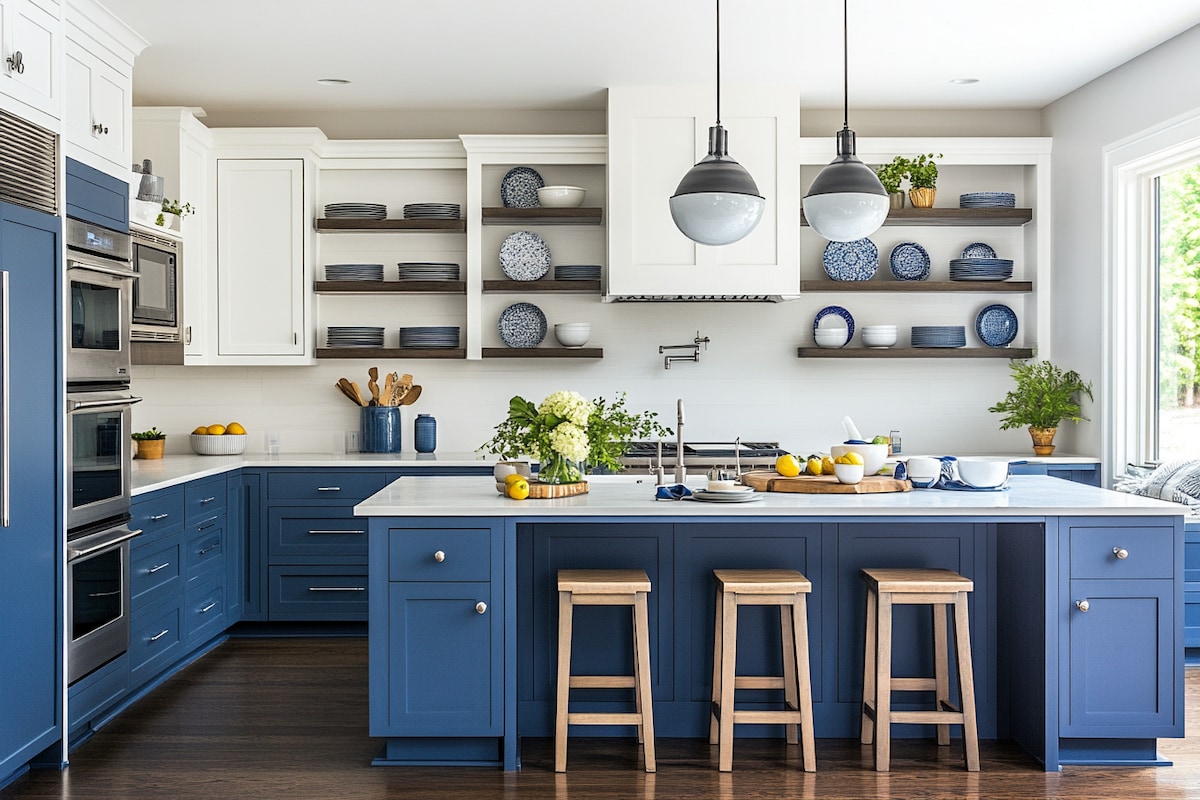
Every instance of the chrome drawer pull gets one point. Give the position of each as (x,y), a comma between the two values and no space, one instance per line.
(207,550)
(319,532)
(337,588)
(208,608)
(1083,605)
(1120,552)
(155,569)
(206,527)
(481,607)
(157,517)
(439,556)
(161,634)
(207,500)
(329,488)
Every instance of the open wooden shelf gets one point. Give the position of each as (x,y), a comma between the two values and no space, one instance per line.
(391,352)
(330,225)
(543,216)
(543,352)
(915,352)
(955,216)
(390,287)
(542,285)
(987,287)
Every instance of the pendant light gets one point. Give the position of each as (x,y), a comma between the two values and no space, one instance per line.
(717,201)
(846,201)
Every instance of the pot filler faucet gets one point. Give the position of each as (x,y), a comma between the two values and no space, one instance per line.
(680,469)
(692,356)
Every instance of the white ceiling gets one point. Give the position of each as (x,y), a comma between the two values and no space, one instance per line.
(246,55)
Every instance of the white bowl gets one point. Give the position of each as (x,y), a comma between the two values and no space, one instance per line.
(848,473)
(873,454)
(831,337)
(572,334)
(226,444)
(983,473)
(561,196)
(875,338)
(880,328)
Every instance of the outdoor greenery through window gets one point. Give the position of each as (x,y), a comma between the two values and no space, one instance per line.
(1178,428)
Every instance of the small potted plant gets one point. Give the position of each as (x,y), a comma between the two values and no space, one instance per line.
(890,175)
(172,212)
(922,180)
(150,443)
(1045,395)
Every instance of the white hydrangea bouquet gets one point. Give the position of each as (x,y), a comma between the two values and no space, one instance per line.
(566,431)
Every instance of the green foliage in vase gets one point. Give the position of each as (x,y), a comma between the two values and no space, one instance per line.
(892,173)
(153,433)
(1045,395)
(923,171)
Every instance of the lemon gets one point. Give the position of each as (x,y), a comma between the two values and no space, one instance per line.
(826,465)
(215,430)
(235,428)
(201,431)
(787,466)
(518,489)
(512,478)
(842,460)
(853,458)
(814,466)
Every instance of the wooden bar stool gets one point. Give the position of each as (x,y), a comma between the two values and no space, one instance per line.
(789,590)
(604,587)
(937,588)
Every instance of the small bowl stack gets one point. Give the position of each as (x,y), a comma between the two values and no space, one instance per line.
(832,337)
(879,336)
(572,334)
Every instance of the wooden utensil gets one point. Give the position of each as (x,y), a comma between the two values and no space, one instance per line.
(389,381)
(411,396)
(362,401)
(373,385)
(344,386)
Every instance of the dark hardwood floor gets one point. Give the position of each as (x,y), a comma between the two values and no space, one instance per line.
(261,719)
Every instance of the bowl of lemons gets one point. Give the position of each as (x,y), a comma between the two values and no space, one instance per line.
(219,440)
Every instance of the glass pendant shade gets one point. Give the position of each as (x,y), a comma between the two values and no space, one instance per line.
(846,201)
(717,202)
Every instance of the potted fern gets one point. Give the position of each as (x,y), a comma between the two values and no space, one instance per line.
(922,180)
(890,175)
(150,443)
(1044,397)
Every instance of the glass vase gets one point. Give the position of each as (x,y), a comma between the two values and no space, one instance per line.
(555,468)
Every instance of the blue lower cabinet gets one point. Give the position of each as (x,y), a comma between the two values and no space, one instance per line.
(92,696)
(204,612)
(1082,472)
(306,593)
(155,641)
(1191,577)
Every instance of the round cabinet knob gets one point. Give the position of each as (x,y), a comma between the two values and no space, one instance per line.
(1120,552)
(1083,605)
(481,607)
(439,556)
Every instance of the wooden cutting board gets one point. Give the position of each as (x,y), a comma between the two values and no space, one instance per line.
(772,481)
(543,491)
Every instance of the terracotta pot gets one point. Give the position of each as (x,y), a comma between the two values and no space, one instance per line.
(922,198)
(895,200)
(1043,440)
(150,448)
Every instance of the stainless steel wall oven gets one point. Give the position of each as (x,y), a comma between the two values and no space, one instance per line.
(97,597)
(100,285)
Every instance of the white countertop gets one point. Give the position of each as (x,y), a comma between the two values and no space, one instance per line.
(621,496)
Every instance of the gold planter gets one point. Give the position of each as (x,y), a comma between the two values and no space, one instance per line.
(922,198)
(1043,440)
(150,448)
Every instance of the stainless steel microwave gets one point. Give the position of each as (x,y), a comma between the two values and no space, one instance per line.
(157,293)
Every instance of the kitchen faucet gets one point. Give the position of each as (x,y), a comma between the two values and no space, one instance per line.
(693,356)
(680,469)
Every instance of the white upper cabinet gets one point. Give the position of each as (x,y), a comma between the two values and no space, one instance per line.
(98,96)
(655,135)
(30,47)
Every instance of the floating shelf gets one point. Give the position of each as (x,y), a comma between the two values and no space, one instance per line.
(342,225)
(955,216)
(543,216)
(915,352)
(542,285)
(987,287)
(379,353)
(390,287)
(543,352)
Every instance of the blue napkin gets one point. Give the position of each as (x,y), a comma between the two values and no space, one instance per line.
(676,492)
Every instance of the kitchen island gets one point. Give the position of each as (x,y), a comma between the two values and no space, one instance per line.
(463,609)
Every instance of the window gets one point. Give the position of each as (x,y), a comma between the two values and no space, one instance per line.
(1177,423)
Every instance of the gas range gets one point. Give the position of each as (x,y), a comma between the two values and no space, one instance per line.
(644,455)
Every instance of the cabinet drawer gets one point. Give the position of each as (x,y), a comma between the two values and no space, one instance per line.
(95,692)
(1150,552)
(155,640)
(348,486)
(205,549)
(312,594)
(155,569)
(156,512)
(440,554)
(204,612)
(316,535)
(204,498)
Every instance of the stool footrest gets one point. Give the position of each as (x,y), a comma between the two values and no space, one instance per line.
(928,717)
(602,682)
(604,718)
(758,682)
(767,717)
(914,684)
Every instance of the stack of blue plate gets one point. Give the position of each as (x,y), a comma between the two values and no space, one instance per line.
(354,272)
(577,272)
(356,210)
(939,336)
(428,271)
(435,336)
(353,336)
(432,211)
(981,269)
(987,200)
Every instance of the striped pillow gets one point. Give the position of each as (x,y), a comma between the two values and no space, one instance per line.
(1175,481)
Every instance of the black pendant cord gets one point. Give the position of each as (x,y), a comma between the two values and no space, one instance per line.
(718,62)
(845,64)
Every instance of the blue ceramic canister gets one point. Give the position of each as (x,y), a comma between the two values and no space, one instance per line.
(379,429)
(425,433)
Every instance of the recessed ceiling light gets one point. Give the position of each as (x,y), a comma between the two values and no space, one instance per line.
(964,81)
(332,81)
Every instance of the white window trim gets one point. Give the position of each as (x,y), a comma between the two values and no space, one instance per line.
(1128,393)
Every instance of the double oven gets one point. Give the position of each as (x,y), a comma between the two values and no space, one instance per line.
(100,281)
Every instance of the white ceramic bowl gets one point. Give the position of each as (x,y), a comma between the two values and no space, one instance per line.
(561,196)
(873,454)
(572,334)
(848,473)
(227,444)
(830,337)
(923,471)
(983,473)
(877,338)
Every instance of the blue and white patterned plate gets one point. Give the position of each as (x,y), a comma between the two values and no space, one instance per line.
(996,325)
(909,262)
(836,311)
(978,250)
(519,188)
(851,261)
(522,325)
(524,256)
